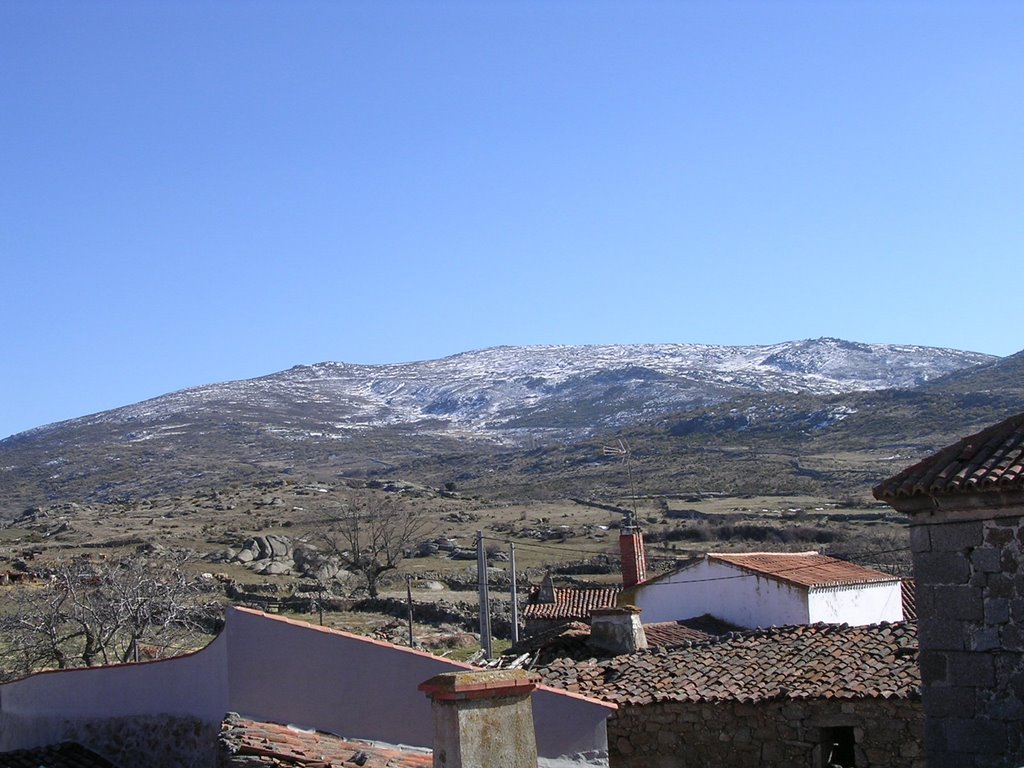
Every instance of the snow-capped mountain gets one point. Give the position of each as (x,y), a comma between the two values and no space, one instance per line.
(503,391)
(459,416)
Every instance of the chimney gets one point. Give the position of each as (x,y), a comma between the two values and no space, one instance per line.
(546,593)
(617,629)
(634,557)
(482,719)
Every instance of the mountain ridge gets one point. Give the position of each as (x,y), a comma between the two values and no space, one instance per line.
(344,417)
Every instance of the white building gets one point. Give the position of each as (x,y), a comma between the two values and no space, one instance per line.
(763,589)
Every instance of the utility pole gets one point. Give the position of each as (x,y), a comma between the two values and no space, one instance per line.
(515,602)
(408,599)
(485,601)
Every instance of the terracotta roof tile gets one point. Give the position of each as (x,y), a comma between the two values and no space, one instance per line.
(699,629)
(990,460)
(573,603)
(250,743)
(909,590)
(65,755)
(570,641)
(805,569)
(798,662)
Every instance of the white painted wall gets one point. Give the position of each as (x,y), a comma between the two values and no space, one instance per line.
(724,591)
(40,709)
(282,671)
(856,605)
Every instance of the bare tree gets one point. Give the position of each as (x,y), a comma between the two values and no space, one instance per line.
(372,534)
(90,613)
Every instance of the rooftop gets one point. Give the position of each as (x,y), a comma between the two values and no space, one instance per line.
(798,662)
(572,603)
(571,641)
(250,743)
(990,460)
(805,569)
(669,633)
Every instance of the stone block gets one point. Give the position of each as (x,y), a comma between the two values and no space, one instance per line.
(1011,638)
(977,736)
(920,541)
(910,749)
(957,537)
(1008,562)
(935,735)
(941,634)
(971,670)
(932,568)
(948,702)
(985,559)
(924,595)
(963,603)
(998,537)
(1007,709)
(985,639)
(997,610)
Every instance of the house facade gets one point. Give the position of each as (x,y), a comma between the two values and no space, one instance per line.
(809,695)
(763,589)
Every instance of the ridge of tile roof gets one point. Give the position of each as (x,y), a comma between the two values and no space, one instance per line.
(573,603)
(249,743)
(809,661)
(989,460)
(66,755)
(805,569)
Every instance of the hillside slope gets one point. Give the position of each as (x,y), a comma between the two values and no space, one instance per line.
(469,408)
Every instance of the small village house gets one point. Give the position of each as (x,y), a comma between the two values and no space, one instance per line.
(809,695)
(763,589)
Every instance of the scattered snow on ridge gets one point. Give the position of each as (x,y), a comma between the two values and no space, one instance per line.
(538,387)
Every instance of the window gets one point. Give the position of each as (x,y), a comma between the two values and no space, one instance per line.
(837,747)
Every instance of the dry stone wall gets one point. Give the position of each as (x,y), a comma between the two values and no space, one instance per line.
(779,734)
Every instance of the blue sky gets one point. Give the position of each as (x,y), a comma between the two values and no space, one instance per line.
(202,191)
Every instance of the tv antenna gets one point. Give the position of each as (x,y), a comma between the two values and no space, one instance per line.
(621,450)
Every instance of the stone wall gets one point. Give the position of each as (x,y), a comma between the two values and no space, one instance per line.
(783,734)
(970,600)
(155,741)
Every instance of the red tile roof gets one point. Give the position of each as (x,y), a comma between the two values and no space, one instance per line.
(250,743)
(810,661)
(573,603)
(571,641)
(668,633)
(990,460)
(65,755)
(805,569)
(908,588)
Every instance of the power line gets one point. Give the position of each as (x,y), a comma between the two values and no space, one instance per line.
(852,558)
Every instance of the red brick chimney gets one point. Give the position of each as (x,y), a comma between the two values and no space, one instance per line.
(634,556)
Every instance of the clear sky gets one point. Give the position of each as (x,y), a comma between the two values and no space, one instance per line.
(194,192)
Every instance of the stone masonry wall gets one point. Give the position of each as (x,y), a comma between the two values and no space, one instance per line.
(154,741)
(970,600)
(777,734)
